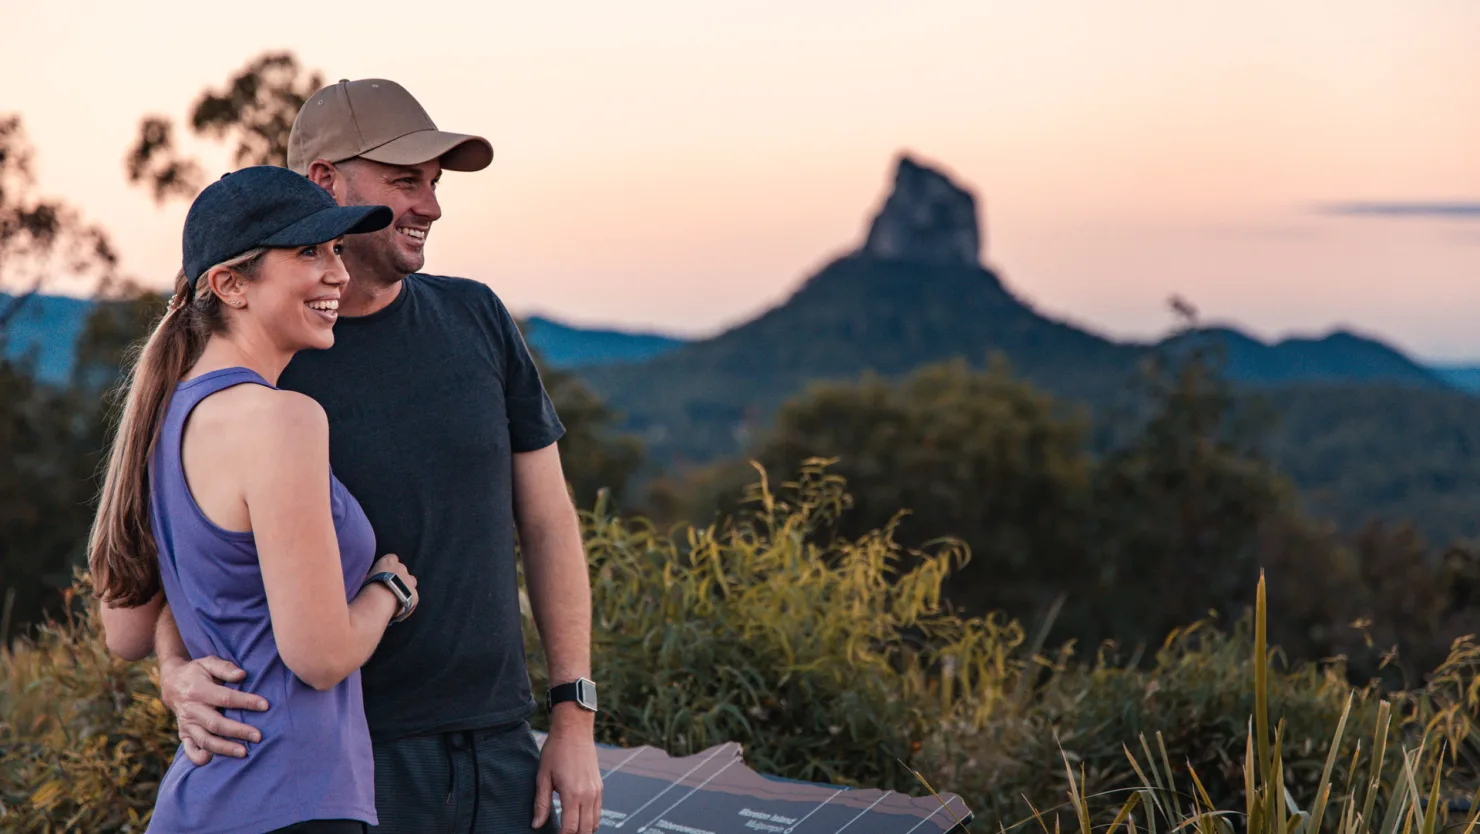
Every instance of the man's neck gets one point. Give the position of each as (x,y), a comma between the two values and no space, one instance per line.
(371,288)
(361,298)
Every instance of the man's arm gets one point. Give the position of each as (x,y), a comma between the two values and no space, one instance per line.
(190,690)
(129,632)
(560,598)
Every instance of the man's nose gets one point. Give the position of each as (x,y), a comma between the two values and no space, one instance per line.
(428,206)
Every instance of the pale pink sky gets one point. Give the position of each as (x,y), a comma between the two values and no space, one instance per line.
(684,165)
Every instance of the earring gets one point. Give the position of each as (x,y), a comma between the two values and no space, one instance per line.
(237,304)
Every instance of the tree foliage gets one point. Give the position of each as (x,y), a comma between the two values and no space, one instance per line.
(253,112)
(976,455)
(599,461)
(1170,523)
(45,432)
(41,239)
(835,658)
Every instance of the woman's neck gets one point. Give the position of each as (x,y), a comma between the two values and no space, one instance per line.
(227,351)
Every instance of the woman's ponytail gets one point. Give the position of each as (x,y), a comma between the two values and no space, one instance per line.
(121,550)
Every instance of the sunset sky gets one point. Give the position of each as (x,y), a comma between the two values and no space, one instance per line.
(684,165)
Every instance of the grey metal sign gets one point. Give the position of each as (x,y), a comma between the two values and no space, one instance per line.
(647,791)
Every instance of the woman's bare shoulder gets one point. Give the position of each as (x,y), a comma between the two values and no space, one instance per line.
(269,415)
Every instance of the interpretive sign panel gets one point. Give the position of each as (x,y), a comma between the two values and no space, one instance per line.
(647,791)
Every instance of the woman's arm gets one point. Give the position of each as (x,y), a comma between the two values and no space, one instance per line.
(321,638)
(129,632)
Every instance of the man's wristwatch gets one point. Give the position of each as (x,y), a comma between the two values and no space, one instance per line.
(398,587)
(580,690)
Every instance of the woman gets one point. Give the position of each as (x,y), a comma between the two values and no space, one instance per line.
(219,501)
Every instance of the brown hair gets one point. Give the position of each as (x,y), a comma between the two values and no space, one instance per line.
(121,551)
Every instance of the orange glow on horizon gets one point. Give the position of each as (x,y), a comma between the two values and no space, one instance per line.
(682,167)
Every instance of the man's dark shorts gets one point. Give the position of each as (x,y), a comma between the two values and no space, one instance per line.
(466,782)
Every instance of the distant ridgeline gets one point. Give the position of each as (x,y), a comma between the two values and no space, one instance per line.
(45,330)
(1374,434)
(917,292)
(1460,376)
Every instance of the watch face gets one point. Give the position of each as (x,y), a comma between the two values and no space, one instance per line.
(586,694)
(400,588)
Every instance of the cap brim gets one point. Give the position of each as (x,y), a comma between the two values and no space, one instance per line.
(457,151)
(332,223)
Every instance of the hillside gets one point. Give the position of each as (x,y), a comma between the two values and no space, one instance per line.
(1383,452)
(917,292)
(44,330)
(858,314)
(1466,377)
(1373,431)
(1341,356)
(566,346)
(1364,429)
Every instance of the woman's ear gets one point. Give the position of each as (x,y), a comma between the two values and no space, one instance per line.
(228,285)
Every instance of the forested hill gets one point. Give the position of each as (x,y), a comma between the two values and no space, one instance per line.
(916,292)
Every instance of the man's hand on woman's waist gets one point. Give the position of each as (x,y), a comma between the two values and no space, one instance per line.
(191,689)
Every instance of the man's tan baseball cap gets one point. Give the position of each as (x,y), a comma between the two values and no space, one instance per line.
(377,119)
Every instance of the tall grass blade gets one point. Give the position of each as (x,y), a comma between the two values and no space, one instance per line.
(1261,680)
(1202,799)
(1156,774)
(1379,753)
(1146,787)
(1431,813)
(1252,813)
(1171,782)
(1404,799)
(943,803)
(1081,808)
(1036,815)
(1124,816)
(1348,824)
(1323,789)
(1274,789)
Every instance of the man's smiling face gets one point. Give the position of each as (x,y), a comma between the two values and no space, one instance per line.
(411,192)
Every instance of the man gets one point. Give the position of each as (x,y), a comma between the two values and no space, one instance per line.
(441,428)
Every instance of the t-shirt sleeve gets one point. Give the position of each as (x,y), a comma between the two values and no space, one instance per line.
(533,423)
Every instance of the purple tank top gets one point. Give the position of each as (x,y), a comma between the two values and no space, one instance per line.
(314,760)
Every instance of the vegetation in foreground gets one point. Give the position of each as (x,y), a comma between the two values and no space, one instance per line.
(835,659)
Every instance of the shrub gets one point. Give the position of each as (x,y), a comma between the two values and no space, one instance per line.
(827,662)
(830,662)
(84,738)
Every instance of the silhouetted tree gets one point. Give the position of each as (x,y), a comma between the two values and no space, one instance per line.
(44,459)
(254,110)
(594,455)
(974,454)
(40,239)
(1178,508)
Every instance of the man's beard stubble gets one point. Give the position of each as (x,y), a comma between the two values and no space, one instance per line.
(377,255)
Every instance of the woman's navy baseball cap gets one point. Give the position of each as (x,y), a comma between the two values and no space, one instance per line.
(265,205)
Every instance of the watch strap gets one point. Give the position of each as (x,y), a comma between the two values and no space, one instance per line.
(580,690)
(398,588)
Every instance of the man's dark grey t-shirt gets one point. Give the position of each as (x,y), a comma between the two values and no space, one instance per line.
(428,399)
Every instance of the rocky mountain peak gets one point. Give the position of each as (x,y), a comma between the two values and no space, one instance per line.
(926,219)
